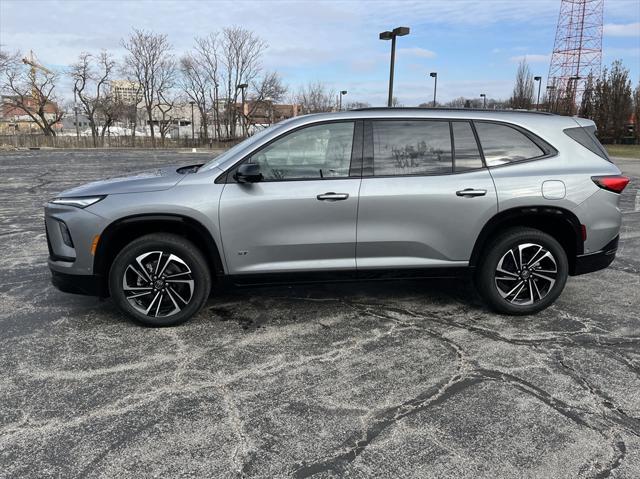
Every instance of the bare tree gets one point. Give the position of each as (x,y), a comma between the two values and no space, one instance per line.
(6,59)
(91,77)
(196,83)
(109,110)
(148,56)
(316,98)
(522,96)
(208,58)
(240,52)
(355,105)
(265,92)
(31,90)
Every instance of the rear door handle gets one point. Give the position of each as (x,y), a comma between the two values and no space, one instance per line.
(331,196)
(471,192)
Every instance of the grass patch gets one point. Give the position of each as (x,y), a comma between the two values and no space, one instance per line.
(625,151)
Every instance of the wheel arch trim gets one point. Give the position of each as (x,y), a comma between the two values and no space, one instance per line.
(522,216)
(207,243)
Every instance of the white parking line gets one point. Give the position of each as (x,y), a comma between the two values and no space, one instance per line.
(637,207)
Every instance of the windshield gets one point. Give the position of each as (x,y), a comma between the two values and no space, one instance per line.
(223,157)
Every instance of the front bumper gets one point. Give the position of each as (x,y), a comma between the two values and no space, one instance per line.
(587,263)
(90,285)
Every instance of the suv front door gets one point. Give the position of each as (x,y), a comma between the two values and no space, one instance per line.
(302,215)
(425,194)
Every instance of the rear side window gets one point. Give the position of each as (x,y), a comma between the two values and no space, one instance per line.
(467,155)
(502,144)
(586,136)
(411,148)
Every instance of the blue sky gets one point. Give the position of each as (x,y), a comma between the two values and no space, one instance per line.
(473,45)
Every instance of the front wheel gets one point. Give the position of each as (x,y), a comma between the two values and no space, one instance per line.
(160,280)
(523,271)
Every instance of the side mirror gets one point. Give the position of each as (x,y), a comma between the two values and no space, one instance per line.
(248,173)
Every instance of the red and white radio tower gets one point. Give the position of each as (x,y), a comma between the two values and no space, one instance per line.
(577,51)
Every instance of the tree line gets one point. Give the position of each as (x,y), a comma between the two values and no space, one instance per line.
(608,100)
(224,69)
(216,74)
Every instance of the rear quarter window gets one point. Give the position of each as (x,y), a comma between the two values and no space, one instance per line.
(586,136)
(503,144)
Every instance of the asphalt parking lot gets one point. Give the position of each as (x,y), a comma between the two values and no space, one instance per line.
(401,379)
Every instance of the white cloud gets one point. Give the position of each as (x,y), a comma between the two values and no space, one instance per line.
(622,29)
(417,52)
(531,58)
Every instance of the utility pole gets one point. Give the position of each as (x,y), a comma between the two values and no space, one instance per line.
(391,35)
(343,92)
(193,131)
(539,80)
(75,109)
(434,75)
(243,87)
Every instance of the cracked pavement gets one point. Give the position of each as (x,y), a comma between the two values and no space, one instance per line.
(380,379)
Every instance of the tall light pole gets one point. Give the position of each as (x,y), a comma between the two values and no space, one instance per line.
(539,80)
(396,32)
(343,92)
(434,75)
(242,87)
(484,100)
(192,125)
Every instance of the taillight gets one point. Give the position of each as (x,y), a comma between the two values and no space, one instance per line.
(615,183)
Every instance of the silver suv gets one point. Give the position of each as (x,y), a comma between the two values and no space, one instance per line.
(520,200)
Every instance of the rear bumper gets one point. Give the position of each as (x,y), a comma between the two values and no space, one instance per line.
(587,263)
(78,283)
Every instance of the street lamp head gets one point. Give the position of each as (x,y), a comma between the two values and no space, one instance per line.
(537,78)
(401,31)
(343,92)
(482,95)
(386,35)
(242,86)
(433,74)
(192,103)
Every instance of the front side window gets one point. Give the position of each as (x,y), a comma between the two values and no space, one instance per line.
(465,147)
(420,147)
(502,144)
(316,152)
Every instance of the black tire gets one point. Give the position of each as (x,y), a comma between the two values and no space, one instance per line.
(185,282)
(534,274)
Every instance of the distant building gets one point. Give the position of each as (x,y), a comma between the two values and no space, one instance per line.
(266,112)
(126,91)
(14,120)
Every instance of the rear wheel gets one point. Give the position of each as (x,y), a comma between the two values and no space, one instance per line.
(160,280)
(522,272)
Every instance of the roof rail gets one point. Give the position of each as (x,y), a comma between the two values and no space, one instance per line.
(413,108)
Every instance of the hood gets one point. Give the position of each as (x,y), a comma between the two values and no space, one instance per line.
(151,180)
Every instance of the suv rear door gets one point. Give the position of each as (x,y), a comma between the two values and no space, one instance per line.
(302,215)
(425,194)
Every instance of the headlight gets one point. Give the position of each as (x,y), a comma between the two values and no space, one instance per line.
(80,201)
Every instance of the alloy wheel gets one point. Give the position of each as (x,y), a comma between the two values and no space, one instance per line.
(158,284)
(526,274)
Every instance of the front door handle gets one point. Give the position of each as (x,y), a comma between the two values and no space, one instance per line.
(471,192)
(331,196)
